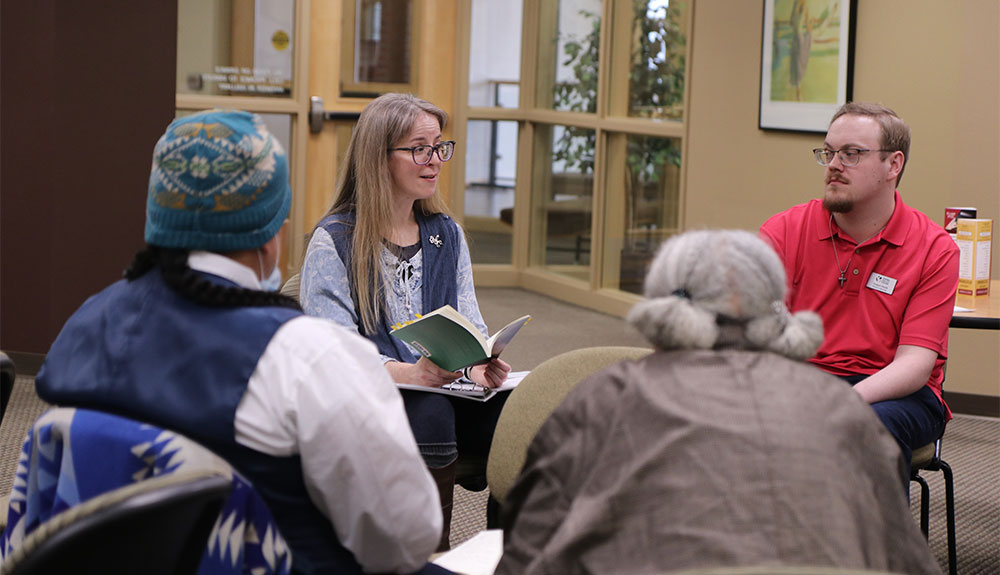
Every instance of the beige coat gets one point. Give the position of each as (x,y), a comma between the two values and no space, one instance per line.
(693,459)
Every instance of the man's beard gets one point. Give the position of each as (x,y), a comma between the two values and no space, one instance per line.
(838,206)
(832,204)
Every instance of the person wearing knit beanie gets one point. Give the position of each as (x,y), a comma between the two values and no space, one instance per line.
(219,183)
(197,340)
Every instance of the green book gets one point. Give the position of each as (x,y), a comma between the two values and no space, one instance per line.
(445,337)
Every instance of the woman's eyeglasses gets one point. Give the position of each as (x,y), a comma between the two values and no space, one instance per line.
(422,154)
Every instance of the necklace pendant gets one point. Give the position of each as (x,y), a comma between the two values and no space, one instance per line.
(842,279)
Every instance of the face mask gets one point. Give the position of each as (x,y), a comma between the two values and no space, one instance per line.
(273,281)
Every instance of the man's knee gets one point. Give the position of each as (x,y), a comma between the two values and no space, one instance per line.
(914,420)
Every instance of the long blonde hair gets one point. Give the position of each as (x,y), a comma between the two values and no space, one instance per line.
(365,187)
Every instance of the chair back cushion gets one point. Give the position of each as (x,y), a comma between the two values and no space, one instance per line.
(72,455)
(533,400)
(158,526)
(291,287)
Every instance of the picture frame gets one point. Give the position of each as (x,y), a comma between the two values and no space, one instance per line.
(807,63)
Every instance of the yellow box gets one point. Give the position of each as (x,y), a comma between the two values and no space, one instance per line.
(974,239)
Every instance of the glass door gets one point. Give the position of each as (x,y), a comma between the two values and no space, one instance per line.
(249,55)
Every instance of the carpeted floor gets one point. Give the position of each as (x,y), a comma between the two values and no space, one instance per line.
(971,445)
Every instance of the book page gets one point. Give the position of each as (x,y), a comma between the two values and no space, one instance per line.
(513,379)
(480,555)
(500,339)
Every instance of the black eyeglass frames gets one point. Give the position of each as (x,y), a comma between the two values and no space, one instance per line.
(422,154)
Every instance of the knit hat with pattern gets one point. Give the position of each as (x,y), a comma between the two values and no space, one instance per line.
(219,183)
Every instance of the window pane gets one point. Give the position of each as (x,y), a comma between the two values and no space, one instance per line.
(235,48)
(490,170)
(279,125)
(651,185)
(568,45)
(382,41)
(562,199)
(656,78)
(495,54)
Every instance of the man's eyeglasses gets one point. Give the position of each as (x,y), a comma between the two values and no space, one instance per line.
(422,154)
(848,156)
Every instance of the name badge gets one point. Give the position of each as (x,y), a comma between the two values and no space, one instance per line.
(879,282)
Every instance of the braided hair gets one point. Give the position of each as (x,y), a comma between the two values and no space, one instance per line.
(193,286)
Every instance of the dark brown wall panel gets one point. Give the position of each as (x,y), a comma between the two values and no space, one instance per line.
(86,88)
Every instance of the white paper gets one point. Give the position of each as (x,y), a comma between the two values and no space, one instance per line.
(461,384)
(477,556)
(962,309)
(513,379)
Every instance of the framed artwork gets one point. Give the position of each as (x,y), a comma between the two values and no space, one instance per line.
(807,63)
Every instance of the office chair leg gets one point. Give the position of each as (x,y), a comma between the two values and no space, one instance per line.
(6,389)
(925,511)
(949,502)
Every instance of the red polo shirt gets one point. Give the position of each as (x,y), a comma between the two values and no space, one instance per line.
(900,287)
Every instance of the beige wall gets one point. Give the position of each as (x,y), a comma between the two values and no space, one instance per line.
(937,64)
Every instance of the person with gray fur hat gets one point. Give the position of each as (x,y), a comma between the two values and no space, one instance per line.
(696,301)
(194,341)
(722,448)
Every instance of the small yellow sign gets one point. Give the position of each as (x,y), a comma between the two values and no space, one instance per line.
(279,40)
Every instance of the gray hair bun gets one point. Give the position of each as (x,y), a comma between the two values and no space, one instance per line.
(705,279)
(797,335)
(672,322)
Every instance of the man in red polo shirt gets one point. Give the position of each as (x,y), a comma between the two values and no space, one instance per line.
(881,274)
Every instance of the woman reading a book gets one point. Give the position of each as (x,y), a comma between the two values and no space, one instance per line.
(387,251)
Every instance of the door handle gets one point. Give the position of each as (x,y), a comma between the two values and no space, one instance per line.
(317,115)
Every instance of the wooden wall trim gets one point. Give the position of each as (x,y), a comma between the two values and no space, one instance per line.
(973,403)
(26,363)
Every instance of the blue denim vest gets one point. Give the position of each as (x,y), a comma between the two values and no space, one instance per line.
(140,350)
(439,242)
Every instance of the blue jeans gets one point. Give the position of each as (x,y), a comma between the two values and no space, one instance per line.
(444,426)
(914,420)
